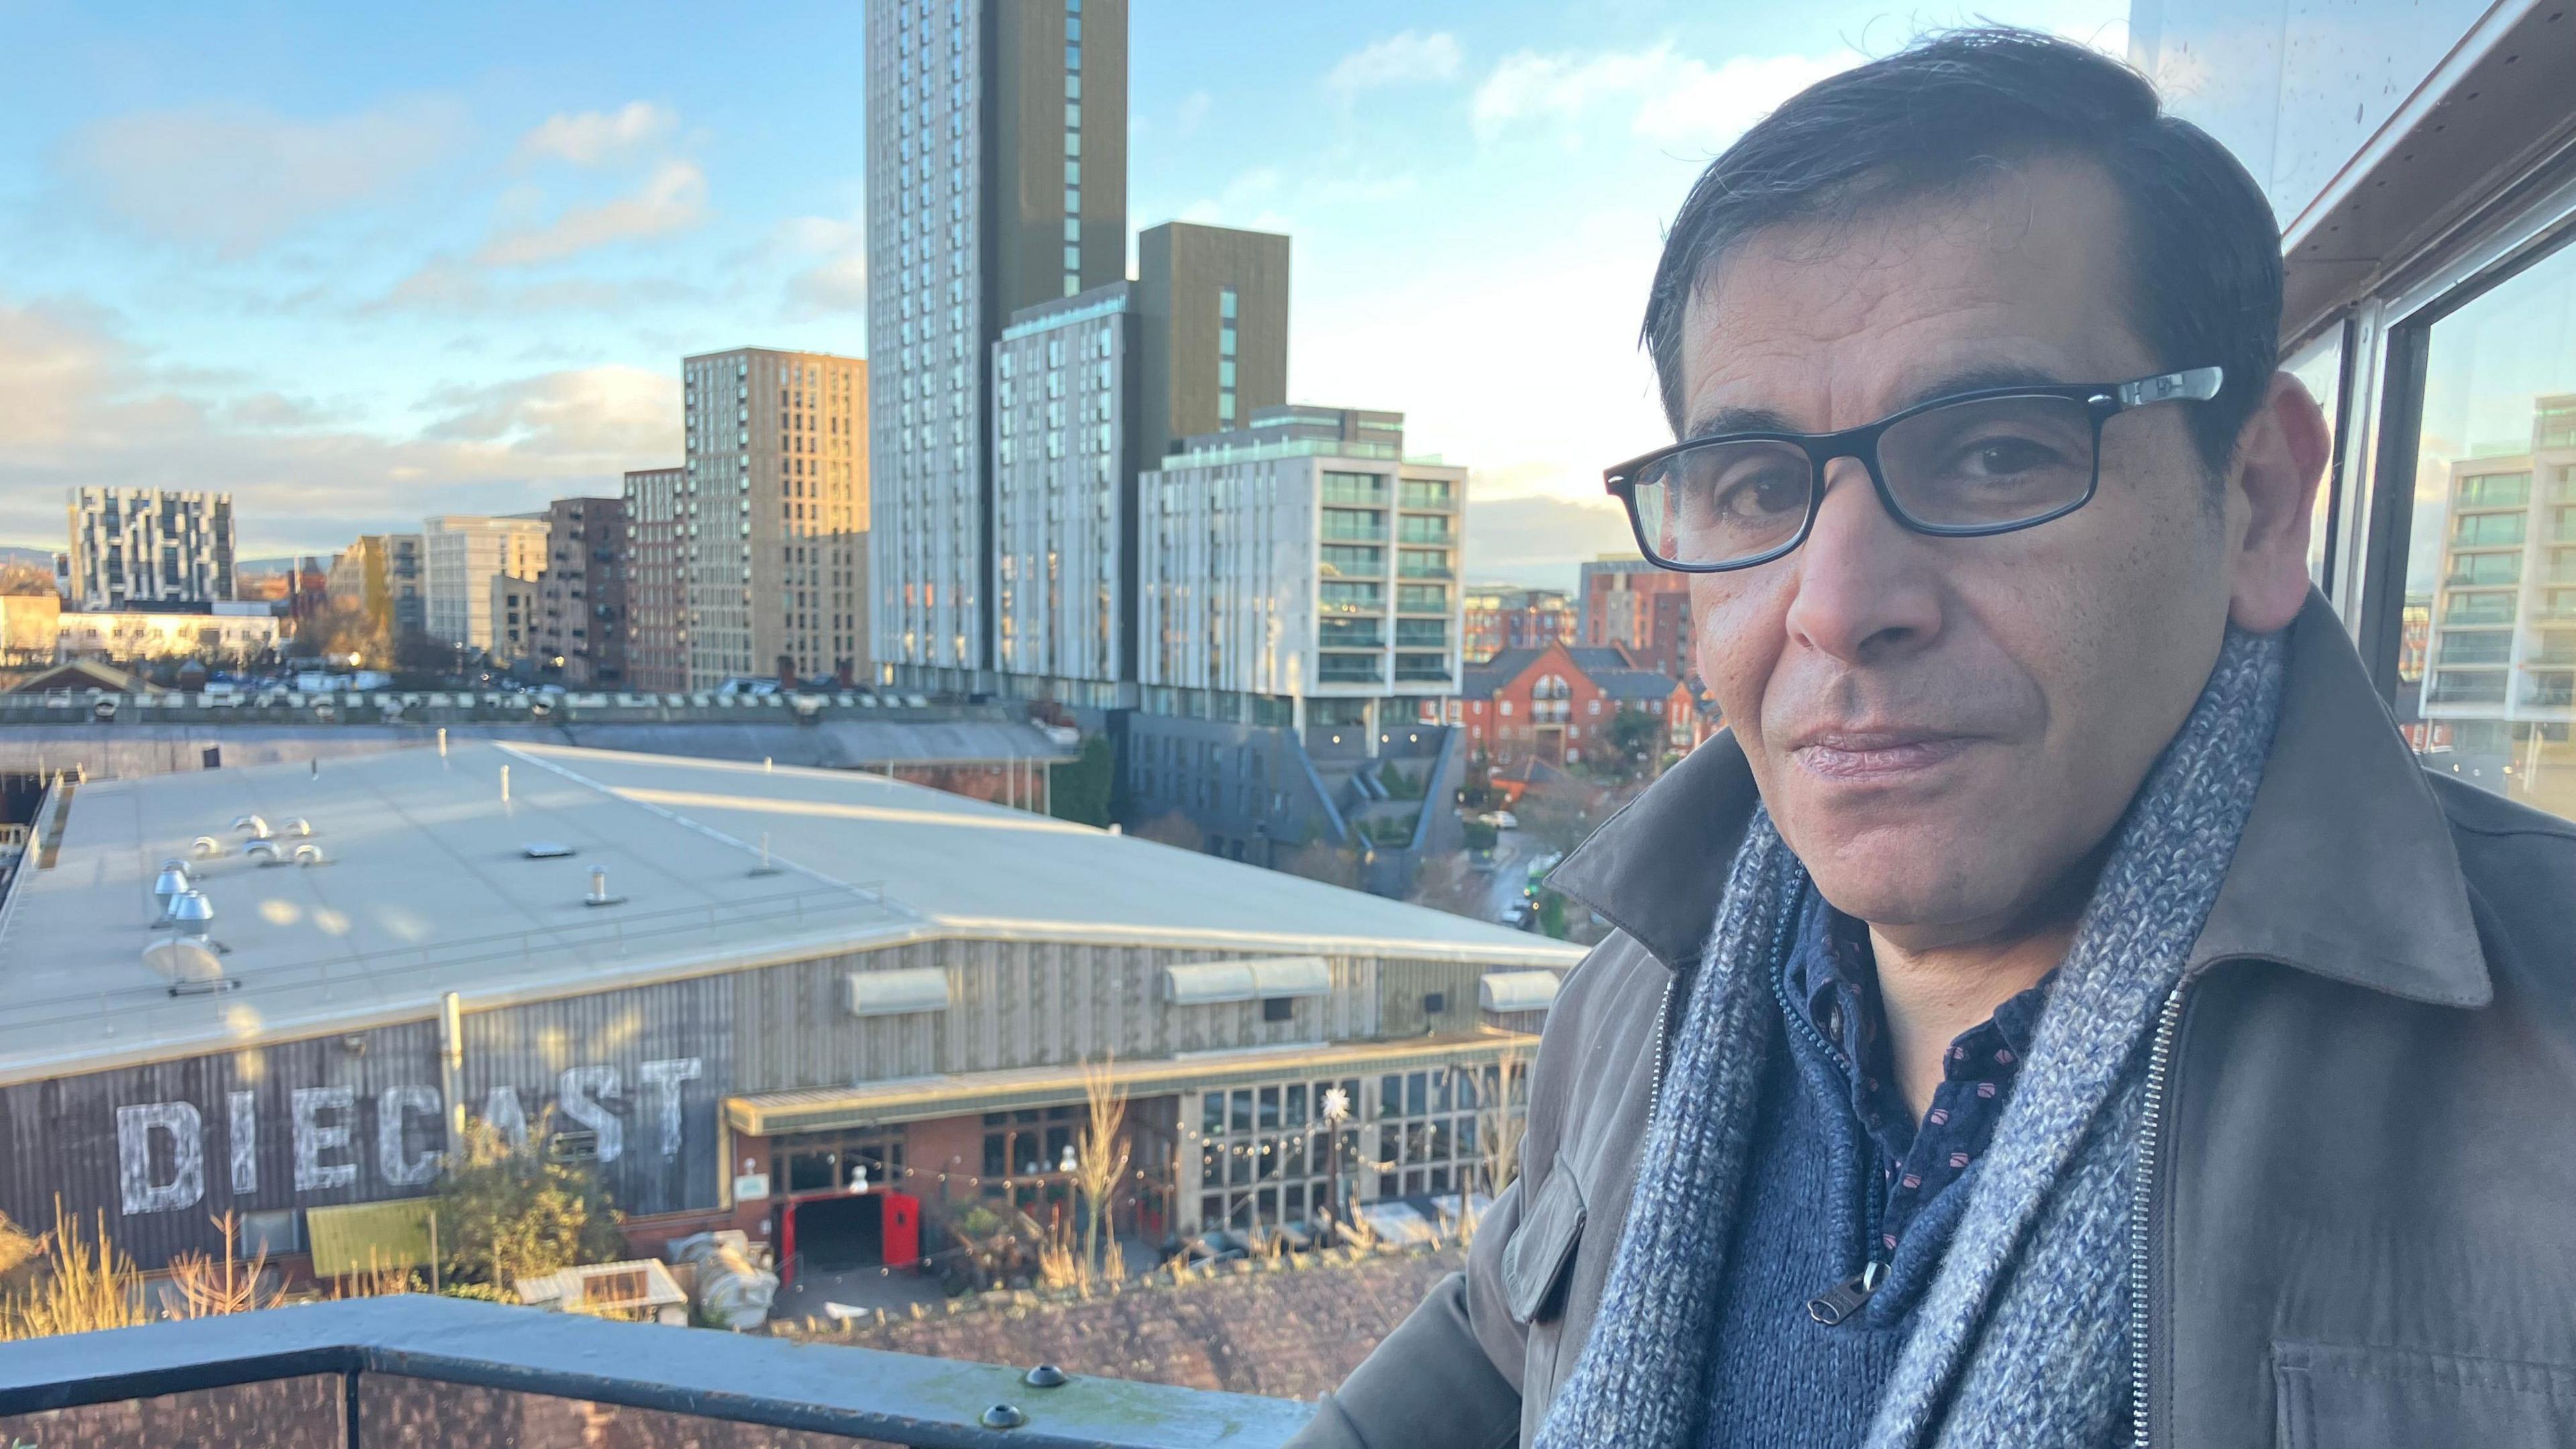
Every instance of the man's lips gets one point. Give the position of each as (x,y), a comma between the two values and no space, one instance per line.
(1862,755)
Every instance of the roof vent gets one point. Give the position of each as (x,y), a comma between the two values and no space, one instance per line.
(545,850)
(205,847)
(251,825)
(191,964)
(599,895)
(265,851)
(299,826)
(190,908)
(172,880)
(310,855)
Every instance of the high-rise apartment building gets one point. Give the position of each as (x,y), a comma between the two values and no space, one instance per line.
(1630,604)
(1300,571)
(773,515)
(1064,464)
(462,553)
(997,179)
(143,548)
(2501,659)
(657,632)
(1212,309)
(579,632)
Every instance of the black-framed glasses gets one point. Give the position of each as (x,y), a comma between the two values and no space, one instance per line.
(1964,466)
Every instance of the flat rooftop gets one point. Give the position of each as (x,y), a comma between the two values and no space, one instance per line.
(429,888)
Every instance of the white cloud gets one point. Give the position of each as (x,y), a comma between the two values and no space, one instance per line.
(235,178)
(1404,59)
(674,198)
(1193,109)
(1663,96)
(81,406)
(834,278)
(591,137)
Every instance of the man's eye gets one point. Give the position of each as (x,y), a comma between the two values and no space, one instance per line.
(2005,457)
(1762,495)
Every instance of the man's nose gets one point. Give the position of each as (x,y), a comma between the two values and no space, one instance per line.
(1864,588)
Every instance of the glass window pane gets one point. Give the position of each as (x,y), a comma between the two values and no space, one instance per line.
(2319,367)
(2485,693)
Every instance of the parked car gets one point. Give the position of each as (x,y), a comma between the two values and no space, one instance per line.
(1499,819)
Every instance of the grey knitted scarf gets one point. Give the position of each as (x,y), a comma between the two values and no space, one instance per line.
(2022,1337)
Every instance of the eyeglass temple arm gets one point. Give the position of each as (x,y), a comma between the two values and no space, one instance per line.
(2199,384)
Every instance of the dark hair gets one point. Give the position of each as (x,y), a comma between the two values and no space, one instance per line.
(2203,249)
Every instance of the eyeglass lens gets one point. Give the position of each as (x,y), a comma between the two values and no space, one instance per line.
(1984,464)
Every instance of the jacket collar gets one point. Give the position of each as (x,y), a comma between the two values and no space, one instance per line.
(2346,868)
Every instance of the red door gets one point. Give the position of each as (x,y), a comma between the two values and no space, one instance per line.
(902,1230)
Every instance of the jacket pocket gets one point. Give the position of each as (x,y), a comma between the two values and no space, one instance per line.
(1536,1259)
(2335,1396)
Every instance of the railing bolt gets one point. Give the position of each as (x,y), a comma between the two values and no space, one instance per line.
(1004,1416)
(1044,1376)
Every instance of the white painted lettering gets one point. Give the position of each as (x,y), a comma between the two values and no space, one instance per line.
(134,1129)
(312,1138)
(503,1114)
(393,1105)
(242,1112)
(662,1081)
(579,1090)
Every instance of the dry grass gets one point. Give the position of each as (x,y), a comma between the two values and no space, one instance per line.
(1103,1160)
(210,1289)
(376,1280)
(80,1285)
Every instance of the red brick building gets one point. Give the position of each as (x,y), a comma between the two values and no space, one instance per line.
(1498,619)
(1556,703)
(1630,604)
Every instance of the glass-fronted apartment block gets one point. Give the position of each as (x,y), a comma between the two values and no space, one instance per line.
(147,548)
(773,515)
(1303,566)
(1064,461)
(2425,177)
(997,179)
(2500,682)
(463,554)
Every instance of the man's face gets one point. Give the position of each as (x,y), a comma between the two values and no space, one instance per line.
(1944,728)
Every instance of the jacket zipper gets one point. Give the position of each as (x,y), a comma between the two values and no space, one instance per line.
(1845,1298)
(2142,1208)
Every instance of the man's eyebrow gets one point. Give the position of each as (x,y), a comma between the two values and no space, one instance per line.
(1979,378)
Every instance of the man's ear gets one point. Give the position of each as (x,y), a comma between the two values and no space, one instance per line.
(2280,460)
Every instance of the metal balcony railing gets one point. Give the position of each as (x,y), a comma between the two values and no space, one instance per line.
(417,1371)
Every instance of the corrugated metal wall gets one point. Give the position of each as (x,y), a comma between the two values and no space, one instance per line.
(646,1067)
(162,1148)
(1018,1004)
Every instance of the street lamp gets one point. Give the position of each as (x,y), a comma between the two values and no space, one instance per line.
(1337,1110)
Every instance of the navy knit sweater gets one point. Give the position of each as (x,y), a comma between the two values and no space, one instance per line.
(1815,1205)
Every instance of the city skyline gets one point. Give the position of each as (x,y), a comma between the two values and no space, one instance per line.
(387,272)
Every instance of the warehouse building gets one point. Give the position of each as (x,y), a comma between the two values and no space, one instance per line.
(781,999)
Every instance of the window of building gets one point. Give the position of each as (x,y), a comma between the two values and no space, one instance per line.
(2498,414)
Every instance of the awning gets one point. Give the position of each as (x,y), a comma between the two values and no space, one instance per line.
(1210,983)
(895,993)
(918,1099)
(368,1236)
(1517,990)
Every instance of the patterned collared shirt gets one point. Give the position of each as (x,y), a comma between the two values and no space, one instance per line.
(1836,977)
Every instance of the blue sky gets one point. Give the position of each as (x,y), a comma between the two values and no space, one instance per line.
(359,264)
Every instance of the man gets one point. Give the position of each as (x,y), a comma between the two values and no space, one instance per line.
(2059,1011)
